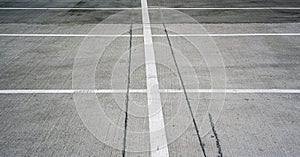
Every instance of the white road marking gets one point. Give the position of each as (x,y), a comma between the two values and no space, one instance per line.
(155,8)
(11,8)
(65,35)
(233,8)
(231,34)
(234,91)
(158,138)
(69,91)
(112,91)
(155,35)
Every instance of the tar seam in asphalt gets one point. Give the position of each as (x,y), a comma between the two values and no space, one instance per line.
(128,86)
(183,87)
(216,136)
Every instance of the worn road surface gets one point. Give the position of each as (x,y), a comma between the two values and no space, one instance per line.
(150,78)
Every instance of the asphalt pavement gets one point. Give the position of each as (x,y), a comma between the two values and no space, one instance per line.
(149,78)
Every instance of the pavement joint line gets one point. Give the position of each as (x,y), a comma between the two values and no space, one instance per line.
(154,8)
(157,132)
(128,88)
(113,91)
(183,87)
(154,35)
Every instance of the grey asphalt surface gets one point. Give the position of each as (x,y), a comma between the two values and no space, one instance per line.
(265,124)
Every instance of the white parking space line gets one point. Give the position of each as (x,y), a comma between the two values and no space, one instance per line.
(154,35)
(112,91)
(65,35)
(231,35)
(11,8)
(234,91)
(69,91)
(158,138)
(155,8)
(233,8)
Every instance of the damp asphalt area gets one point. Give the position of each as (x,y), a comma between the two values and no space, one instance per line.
(149,78)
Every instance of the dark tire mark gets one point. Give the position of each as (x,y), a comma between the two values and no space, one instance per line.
(216,136)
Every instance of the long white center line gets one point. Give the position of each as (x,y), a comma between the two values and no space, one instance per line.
(158,139)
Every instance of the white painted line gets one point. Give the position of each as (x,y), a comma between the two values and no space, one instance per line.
(232,8)
(158,138)
(155,8)
(66,35)
(14,8)
(69,91)
(112,91)
(156,35)
(230,35)
(235,91)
